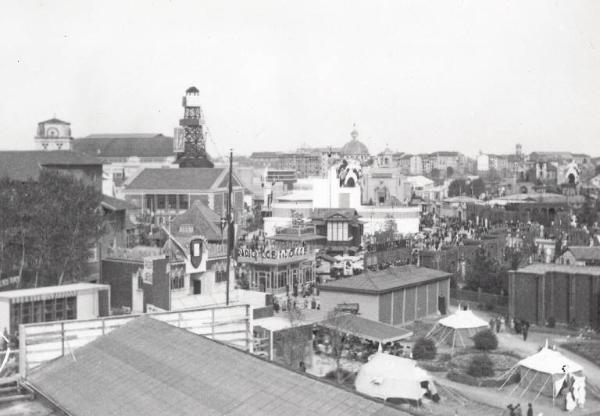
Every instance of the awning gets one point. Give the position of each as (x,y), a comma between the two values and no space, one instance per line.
(365,328)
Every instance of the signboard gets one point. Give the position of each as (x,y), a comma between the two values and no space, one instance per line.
(288,254)
(178,140)
(196,256)
(13,280)
(148,270)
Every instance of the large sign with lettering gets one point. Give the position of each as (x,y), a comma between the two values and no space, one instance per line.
(258,255)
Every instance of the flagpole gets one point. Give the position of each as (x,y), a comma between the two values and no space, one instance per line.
(229,224)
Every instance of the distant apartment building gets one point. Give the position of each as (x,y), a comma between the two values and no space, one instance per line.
(303,164)
(446,162)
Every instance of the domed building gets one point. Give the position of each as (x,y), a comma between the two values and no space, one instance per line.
(355,149)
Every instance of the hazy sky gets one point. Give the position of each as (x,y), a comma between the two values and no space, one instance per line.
(418,75)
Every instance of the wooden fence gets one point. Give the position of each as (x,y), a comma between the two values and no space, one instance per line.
(42,342)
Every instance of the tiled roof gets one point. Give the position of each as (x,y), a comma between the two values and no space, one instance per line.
(24,165)
(384,281)
(366,328)
(177,179)
(585,253)
(151,368)
(205,222)
(125,145)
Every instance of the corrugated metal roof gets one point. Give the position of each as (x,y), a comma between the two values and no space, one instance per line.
(384,281)
(151,368)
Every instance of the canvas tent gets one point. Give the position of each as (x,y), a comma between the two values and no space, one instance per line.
(388,377)
(457,329)
(546,371)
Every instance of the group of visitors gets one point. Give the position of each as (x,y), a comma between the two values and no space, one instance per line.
(515,410)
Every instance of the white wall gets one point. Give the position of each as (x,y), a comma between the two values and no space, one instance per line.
(4,315)
(368,304)
(406,218)
(87,305)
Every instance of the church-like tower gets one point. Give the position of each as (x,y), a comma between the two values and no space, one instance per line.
(192,133)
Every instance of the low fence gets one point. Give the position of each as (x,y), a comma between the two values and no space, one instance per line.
(476,298)
(42,342)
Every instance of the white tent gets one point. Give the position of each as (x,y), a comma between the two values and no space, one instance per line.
(545,372)
(458,328)
(386,376)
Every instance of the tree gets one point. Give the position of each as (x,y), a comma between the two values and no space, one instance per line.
(435,173)
(485,340)
(485,273)
(457,187)
(449,171)
(481,366)
(56,221)
(424,349)
(292,343)
(477,187)
(339,324)
(588,214)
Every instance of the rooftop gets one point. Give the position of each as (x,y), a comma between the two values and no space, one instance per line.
(204,221)
(151,368)
(543,268)
(24,165)
(585,252)
(180,179)
(50,290)
(125,145)
(385,281)
(54,120)
(115,204)
(366,328)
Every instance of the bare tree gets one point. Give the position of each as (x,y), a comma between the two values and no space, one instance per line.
(293,344)
(339,324)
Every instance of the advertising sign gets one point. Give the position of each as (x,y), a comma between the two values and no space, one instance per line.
(197,255)
(257,255)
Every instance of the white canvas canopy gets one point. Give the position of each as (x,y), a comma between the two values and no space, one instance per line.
(458,328)
(546,371)
(386,376)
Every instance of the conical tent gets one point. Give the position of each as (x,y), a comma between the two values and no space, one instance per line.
(457,329)
(386,376)
(546,371)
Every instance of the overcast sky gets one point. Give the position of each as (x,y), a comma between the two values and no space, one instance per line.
(417,75)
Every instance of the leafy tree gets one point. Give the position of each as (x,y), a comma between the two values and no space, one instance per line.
(449,171)
(588,214)
(477,187)
(485,340)
(424,349)
(56,221)
(481,366)
(457,187)
(486,273)
(435,173)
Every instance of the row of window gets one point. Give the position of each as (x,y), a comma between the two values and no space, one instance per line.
(170,202)
(47,310)
(337,231)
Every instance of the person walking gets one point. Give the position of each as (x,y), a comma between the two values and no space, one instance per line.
(525,330)
(529,410)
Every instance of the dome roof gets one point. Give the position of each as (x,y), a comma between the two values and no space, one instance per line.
(192,90)
(354,146)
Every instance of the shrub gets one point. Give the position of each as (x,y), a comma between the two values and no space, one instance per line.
(551,322)
(485,340)
(481,366)
(424,349)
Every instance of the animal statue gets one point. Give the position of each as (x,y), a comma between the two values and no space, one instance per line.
(349,172)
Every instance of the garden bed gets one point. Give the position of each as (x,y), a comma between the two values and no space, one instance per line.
(590,350)
(503,362)
(438,364)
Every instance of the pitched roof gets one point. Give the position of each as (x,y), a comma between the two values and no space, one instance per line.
(54,120)
(177,179)
(204,220)
(585,253)
(148,367)
(115,204)
(366,328)
(24,165)
(384,281)
(325,213)
(125,145)
(543,268)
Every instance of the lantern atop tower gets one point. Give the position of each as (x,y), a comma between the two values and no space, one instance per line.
(192,133)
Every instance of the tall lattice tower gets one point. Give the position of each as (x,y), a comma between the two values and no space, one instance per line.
(191,135)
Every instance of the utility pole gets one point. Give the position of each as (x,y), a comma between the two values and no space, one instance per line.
(230,225)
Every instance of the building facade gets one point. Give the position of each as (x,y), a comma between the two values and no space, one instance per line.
(53,134)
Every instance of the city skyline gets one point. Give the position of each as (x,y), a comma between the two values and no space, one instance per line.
(463,76)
